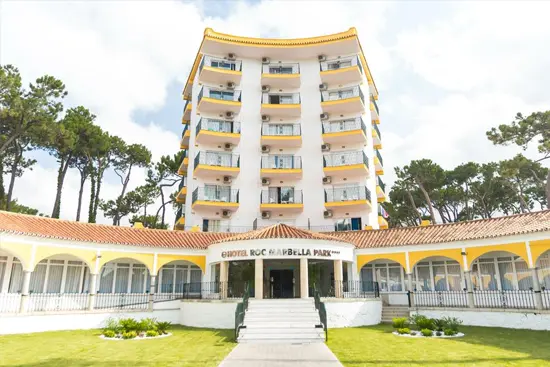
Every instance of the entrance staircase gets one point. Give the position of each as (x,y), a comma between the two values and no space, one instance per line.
(281,321)
(391,312)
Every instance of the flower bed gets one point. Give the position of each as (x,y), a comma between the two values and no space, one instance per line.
(131,329)
(419,326)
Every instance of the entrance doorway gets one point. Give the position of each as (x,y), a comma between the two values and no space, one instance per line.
(282,283)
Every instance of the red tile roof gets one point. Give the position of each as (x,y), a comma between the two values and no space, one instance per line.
(86,232)
(76,231)
(280,230)
(461,231)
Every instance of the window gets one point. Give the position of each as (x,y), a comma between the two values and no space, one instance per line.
(501,273)
(348,224)
(217,193)
(16,277)
(388,275)
(211,225)
(438,275)
(222,95)
(280,69)
(544,270)
(222,64)
(335,65)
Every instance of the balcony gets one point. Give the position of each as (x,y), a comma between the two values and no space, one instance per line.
(186,112)
(382,218)
(281,200)
(218,101)
(182,170)
(220,71)
(180,220)
(182,193)
(350,131)
(281,167)
(346,70)
(281,104)
(374,111)
(212,131)
(342,101)
(185,135)
(378,163)
(380,190)
(346,164)
(376,137)
(347,199)
(285,76)
(282,135)
(215,164)
(215,198)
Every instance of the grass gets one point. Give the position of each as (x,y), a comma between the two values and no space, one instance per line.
(370,346)
(186,347)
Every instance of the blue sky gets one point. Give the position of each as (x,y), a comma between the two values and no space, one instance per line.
(446,71)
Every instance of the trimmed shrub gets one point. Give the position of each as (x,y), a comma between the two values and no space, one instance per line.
(452,323)
(109,334)
(404,330)
(426,332)
(147,324)
(129,324)
(151,333)
(439,324)
(399,322)
(450,332)
(129,335)
(111,324)
(163,326)
(425,323)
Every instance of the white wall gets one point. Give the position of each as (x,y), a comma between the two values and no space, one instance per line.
(208,314)
(506,319)
(342,313)
(32,323)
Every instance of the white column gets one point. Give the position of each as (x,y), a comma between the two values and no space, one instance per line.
(536,289)
(4,288)
(410,289)
(304,278)
(259,278)
(25,291)
(338,279)
(469,288)
(93,291)
(152,291)
(224,277)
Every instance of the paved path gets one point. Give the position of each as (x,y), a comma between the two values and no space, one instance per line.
(280,355)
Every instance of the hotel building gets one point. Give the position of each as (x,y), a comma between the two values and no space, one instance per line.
(281,131)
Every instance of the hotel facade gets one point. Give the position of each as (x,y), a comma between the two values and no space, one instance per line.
(281,200)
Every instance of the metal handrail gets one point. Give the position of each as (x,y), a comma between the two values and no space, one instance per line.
(185,128)
(287,68)
(342,93)
(382,212)
(345,159)
(277,197)
(220,63)
(220,159)
(240,311)
(281,161)
(225,94)
(344,125)
(340,63)
(295,98)
(341,194)
(375,104)
(379,157)
(220,126)
(281,130)
(222,194)
(375,127)
(320,307)
(381,183)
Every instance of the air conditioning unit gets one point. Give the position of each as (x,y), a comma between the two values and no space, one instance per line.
(265,60)
(228,146)
(265,118)
(323,87)
(231,56)
(265,149)
(230,115)
(324,116)
(265,181)
(325,147)
(227,179)
(226,213)
(321,58)
(230,85)
(266,215)
(327,180)
(327,213)
(265,88)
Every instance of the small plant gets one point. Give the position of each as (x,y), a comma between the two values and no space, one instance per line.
(404,330)
(426,332)
(129,335)
(400,322)
(425,323)
(439,324)
(163,326)
(450,332)
(127,325)
(452,323)
(439,333)
(147,324)
(109,334)
(151,333)
(111,324)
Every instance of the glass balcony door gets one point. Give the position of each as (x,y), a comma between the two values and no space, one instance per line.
(222,95)
(339,64)
(217,193)
(281,161)
(218,159)
(219,126)
(280,99)
(222,64)
(280,70)
(340,94)
(281,195)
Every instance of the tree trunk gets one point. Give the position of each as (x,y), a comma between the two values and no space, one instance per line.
(91,218)
(63,167)
(7,143)
(83,177)
(2,191)
(15,164)
(428,201)
(411,199)
(548,189)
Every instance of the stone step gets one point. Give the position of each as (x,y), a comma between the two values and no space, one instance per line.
(278,312)
(282,330)
(281,325)
(251,320)
(278,338)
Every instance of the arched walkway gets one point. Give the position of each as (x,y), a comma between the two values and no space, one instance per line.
(389,274)
(543,265)
(11,272)
(500,270)
(437,273)
(60,273)
(175,275)
(124,275)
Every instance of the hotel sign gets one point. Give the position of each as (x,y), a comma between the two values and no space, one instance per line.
(279,252)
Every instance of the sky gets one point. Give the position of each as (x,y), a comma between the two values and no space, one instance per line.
(446,71)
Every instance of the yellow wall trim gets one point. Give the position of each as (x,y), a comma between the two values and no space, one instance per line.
(517,248)
(417,256)
(340,101)
(280,170)
(218,134)
(218,101)
(341,70)
(343,168)
(344,133)
(106,256)
(282,106)
(280,76)
(346,203)
(221,70)
(87,256)
(217,168)
(278,137)
(214,203)
(199,260)
(538,248)
(398,257)
(22,251)
(281,206)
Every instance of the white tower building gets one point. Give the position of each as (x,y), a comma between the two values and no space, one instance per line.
(281,130)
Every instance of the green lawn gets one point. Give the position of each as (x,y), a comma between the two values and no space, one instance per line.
(186,347)
(370,346)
